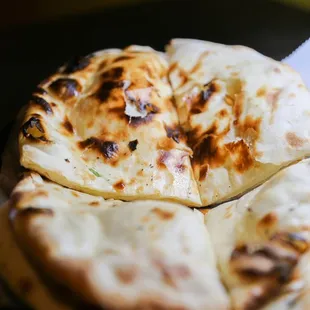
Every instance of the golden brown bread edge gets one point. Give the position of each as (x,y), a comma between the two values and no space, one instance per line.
(240,161)
(138,151)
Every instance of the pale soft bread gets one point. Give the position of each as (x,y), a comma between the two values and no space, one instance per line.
(246,115)
(18,274)
(118,255)
(15,270)
(106,125)
(262,242)
(21,278)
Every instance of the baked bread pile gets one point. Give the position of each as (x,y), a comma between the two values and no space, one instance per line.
(148,180)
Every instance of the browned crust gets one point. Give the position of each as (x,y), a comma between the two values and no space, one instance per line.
(65,88)
(271,266)
(33,129)
(42,104)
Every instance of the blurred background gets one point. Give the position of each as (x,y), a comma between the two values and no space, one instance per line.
(38,36)
(29,11)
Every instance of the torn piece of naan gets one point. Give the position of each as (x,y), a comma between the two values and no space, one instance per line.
(246,115)
(144,254)
(106,125)
(262,243)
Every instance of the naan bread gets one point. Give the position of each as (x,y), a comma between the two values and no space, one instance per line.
(18,274)
(118,255)
(262,243)
(106,125)
(246,115)
(15,270)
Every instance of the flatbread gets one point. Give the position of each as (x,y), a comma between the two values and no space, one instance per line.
(21,283)
(118,255)
(19,275)
(15,270)
(246,115)
(106,125)
(262,242)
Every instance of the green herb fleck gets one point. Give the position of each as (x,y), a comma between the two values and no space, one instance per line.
(95,172)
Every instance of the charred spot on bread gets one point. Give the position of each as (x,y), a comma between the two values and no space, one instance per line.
(133,145)
(65,88)
(174,133)
(42,103)
(77,63)
(123,58)
(114,73)
(136,121)
(106,88)
(201,101)
(33,130)
(209,151)
(108,149)
(68,126)
(270,265)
